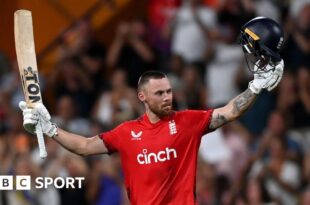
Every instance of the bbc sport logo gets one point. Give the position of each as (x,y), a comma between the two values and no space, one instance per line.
(24,182)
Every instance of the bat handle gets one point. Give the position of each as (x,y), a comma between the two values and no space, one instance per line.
(40,137)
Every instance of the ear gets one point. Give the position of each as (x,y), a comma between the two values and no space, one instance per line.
(141,96)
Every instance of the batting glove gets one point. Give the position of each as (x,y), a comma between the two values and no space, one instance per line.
(38,114)
(30,118)
(267,80)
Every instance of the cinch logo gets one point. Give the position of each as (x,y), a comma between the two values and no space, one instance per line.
(161,156)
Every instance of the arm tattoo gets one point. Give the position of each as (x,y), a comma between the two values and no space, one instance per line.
(243,101)
(217,121)
(236,107)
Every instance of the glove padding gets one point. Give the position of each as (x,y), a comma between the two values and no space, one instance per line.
(267,80)
(37,115)
(30,118)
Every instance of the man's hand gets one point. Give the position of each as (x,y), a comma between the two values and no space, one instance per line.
(30,118)
(267,80)
(38,115)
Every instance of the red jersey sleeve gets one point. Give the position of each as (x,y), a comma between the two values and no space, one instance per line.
(200,119)
(111,139)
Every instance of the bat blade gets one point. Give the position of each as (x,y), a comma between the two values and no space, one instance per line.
(26,56)
(27,63)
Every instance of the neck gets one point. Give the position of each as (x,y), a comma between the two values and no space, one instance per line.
(152,116)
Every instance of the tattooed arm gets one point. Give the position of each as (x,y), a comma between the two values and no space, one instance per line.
(233,110)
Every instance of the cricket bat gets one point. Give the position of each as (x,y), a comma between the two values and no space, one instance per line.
(27,63)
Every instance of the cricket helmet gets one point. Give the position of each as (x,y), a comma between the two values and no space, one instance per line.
(261,39)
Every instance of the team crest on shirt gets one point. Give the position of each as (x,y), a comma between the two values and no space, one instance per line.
(136,136)
(172,127)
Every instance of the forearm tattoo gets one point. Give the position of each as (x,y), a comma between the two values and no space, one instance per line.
(238,106)
(217,121)
(243,101)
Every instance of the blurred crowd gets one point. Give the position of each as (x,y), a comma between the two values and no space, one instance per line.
(263,158)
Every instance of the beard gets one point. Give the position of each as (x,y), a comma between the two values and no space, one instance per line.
(162,110)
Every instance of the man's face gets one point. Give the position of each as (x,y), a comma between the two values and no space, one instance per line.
(157,94)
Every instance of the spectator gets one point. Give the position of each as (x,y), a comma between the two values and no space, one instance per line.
(190,32)
(292,99)
(224,66)
(193,88)
(256,193)
(281,176)
(206,183)
(130,50)
(79,41)
(277,127)
(74,167)
(160,15)
(235,139)
(118,104)
(175,77)
(23,166)
(105,181)
(66,116)
(71,79)
(297,47)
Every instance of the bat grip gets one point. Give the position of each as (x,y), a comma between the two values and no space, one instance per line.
(41,143)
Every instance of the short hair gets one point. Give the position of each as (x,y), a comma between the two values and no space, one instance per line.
(152,74)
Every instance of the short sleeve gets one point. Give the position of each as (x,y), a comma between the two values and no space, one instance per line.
(111,139)
(200,119)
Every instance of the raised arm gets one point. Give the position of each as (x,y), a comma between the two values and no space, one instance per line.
(233,110)
(117,44)
(80,145)
(237,106)
(74,143)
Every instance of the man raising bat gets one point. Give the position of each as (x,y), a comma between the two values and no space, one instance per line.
(159,150)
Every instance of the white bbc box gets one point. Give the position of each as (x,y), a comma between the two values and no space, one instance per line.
(23,182)
(6,182)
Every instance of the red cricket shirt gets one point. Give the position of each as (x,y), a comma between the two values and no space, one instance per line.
(159,160)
